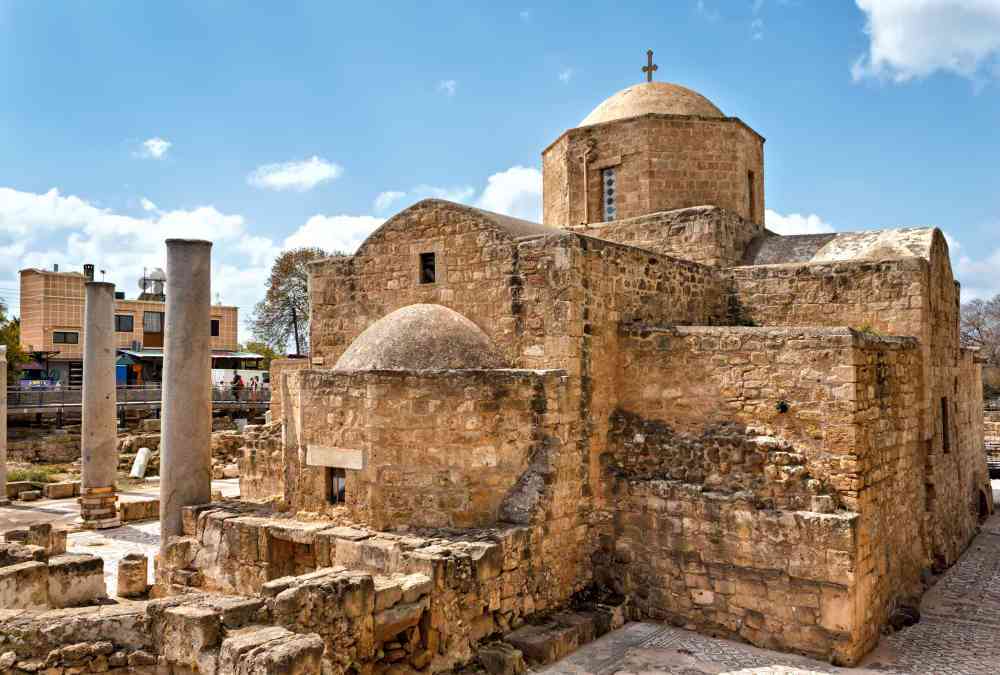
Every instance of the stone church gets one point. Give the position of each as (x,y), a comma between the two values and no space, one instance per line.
(771,438)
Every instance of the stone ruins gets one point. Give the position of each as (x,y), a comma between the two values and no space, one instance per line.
(511,437)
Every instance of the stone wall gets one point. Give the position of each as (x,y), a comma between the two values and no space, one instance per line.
(262,464)
(760,498)
(437,448)
(525,293)
(909,296)
(278,368)
(705,234)
(662,162)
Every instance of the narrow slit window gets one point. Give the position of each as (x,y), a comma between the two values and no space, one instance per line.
(215,328)
(751,197)
(609,192)
(336,486)
(428,271)
(945,426)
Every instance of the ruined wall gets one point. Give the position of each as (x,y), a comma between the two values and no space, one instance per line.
(262,463)
(278,368)
(662,162)
(439,448)
(705,234)
(749,500)
(365,592)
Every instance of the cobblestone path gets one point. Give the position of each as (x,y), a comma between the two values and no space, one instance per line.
(958,634)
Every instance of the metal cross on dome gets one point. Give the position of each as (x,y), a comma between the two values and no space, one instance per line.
(650,67)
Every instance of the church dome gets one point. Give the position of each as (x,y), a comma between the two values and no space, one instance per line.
(421,337)
(662,98)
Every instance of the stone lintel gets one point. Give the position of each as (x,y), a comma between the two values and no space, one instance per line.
(338,458)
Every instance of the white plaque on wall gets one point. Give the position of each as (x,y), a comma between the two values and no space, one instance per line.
(338,458)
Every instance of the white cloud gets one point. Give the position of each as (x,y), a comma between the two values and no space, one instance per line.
(334,233)
(39,229)
(298,176)
(387,199)
(915,38)
(147,204)
(709,13)
(155,148)
(566,74)
(449,87)
(795,223)
(979,278)
(757,29)
(525,15)
(515,192)
(459,193)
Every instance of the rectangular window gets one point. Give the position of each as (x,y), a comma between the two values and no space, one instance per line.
(945,426)
(62,337)
(336,486)
(609,193)
(428,273)
(152,322)
(751,196)
(124,323)
(215,328)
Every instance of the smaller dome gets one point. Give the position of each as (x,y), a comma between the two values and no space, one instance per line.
(421,337)
(652,97)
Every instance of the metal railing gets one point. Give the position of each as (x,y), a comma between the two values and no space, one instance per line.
(131,395)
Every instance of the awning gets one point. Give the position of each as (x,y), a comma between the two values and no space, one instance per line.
(216,354)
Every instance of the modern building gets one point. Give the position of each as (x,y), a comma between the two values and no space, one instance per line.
(52,328)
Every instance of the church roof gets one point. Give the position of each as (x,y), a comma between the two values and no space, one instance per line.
(774,249)
(421,337)
(515,228)
(662,98)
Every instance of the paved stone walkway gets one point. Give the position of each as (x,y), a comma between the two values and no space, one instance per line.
(958,634)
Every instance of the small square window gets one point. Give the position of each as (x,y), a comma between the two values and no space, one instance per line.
(336,486)
(215,328)
(124,323)
(60,337)
(428,272)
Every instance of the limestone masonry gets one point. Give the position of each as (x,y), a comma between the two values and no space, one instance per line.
(512,436)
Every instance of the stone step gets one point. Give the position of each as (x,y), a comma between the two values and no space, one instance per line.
(560,635)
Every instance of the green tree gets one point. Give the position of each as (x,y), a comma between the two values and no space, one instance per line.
(10,335)
(282,317)
(263,349)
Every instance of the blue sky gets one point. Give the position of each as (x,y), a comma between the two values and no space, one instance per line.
(123,123)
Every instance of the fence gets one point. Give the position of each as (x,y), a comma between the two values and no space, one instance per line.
(133,395)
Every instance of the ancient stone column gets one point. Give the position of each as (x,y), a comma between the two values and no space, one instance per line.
(99,451)
(3,425)
(186,425)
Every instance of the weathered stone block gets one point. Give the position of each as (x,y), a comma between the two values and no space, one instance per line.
(62,490)
(271,651)
(391,622)
(24,586)
(500,658)
(76,579)
(133,576)
(187,632)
